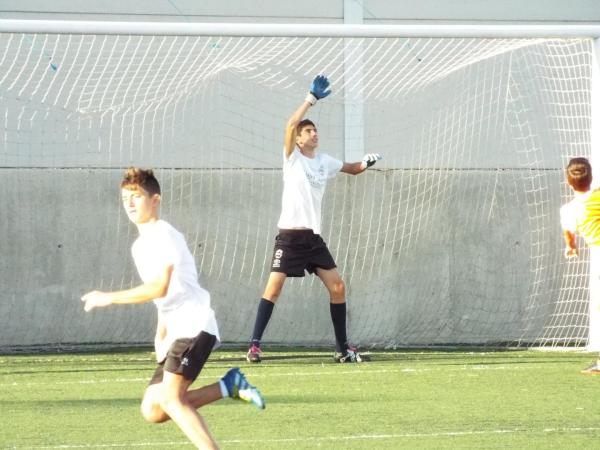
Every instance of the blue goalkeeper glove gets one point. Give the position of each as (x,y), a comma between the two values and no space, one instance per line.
(319,89)
(369,159)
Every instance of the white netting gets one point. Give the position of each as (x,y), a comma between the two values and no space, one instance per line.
(454,239)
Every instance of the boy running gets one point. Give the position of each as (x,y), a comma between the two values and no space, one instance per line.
(187,330)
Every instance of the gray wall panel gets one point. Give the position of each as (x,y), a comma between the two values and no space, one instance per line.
(310,10)
(443,285)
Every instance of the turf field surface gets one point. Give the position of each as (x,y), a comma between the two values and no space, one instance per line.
(399,399)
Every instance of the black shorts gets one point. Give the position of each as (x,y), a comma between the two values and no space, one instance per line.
(186,357)
(299,250)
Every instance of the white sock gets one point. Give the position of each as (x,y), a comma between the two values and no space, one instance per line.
(224,390)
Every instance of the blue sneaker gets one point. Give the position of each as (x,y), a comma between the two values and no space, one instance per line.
(238,387)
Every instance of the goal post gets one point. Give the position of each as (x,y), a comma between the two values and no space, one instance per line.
(453,239)
(464,30)
(593,342)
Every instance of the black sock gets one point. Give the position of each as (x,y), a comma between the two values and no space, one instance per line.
(263,315)
(338,317)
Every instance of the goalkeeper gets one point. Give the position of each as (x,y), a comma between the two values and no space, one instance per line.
(299,246)
(582,215)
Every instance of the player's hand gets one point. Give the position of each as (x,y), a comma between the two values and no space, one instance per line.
(369,159)
(571,252)
(95,299)
(319,89)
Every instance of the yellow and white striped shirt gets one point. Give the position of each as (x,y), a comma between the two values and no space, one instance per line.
(582,215)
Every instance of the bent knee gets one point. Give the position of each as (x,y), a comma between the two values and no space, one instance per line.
(150,408)
(272,296)
(338,290)
(272,293)
(153,413)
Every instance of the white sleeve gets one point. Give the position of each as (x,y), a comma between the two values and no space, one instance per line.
(289,161)
(292,156)
(333,165)
(153,256)
(168,251)
(567,218)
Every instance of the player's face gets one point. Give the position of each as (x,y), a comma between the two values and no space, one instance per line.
(308,137)
(139,205)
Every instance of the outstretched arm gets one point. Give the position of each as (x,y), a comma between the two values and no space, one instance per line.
(139,294)
(359,167)
(318,89)
(570,244)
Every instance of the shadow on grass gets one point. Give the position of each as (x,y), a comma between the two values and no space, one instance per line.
(467,356)
(140,368)
(82,404)
(286,357)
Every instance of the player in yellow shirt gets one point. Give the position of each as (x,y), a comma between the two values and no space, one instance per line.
(582,216)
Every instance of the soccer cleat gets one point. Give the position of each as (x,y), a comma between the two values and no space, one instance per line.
(239,388)
(351,355)
(594,369)
(253,355)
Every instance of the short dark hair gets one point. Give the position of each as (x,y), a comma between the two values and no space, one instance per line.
(136,178)
(304,123)
(579,174)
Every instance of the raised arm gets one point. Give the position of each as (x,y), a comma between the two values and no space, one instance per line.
(140,294)
(359,167)
(318,89)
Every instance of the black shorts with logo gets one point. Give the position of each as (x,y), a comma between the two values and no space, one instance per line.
(186,357)
(299,250)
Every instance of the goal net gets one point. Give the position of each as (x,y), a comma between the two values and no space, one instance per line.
(453,238)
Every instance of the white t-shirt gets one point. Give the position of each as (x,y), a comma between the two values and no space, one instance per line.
(185,310)
(304,181)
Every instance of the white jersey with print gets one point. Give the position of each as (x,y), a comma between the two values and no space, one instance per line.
(304,181)
(185,309)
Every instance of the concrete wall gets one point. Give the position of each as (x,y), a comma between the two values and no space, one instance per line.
(447,277)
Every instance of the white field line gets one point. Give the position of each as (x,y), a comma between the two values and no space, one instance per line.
(312,439)
(254,375)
